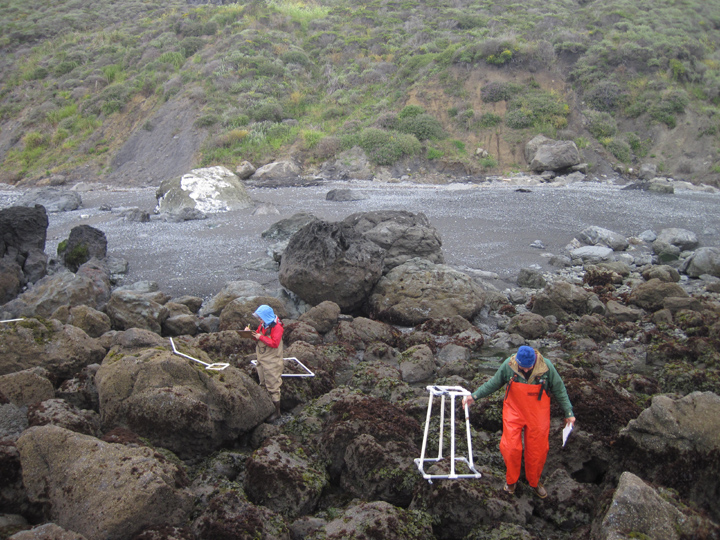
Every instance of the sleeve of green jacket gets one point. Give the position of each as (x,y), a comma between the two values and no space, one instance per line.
(557,389)
(501,378)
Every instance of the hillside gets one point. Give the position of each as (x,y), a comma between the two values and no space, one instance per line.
(131,91)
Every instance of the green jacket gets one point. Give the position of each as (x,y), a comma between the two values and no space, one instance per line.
(543,373)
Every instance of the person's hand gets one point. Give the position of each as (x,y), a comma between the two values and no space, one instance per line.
(467,400)
(256,335)
(570,421)
(247,328)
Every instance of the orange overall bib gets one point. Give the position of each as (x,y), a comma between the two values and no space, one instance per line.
(523,410)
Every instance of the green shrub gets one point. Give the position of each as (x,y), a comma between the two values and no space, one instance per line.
(34,139)
(295,57)
(488,162)
(207,120)
(488,120)
(64,68)
(601,124)
(37,74)
(113,98)
(459,145)
(618,148)
(494,92)
(113,73)
(519,119)
(191,45)
(177,59)
(267,112)
(332,112)
(605,96)
(410,111)
(387,147)
(434,153)
(311,138)
(423,126)
(501,58)
(58,115)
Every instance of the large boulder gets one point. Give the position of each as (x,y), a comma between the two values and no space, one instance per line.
(594,236)
(561,299)
(53,199)
(62,350)
(175,402)
(277,172)
(59,412)
(528,325)
(555,156)
(532,146)
(90,286)
(648,513)
(322,317)
(403,235)
(99,489)
(675,443)
(705,261)
(281,476)
(417,364)
(23,232)
(209,190)
(285,228)
(84,243)
(352,164)
(680,238)
(128,309)
(419,290)
(244,289)
(331,261)
(23,388)
(651,295)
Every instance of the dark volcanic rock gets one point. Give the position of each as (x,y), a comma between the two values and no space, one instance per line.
(331,261)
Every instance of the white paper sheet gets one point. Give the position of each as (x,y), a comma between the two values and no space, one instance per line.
(566,432)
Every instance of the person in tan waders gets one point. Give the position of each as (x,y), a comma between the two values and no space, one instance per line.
(269,351)
(530,380)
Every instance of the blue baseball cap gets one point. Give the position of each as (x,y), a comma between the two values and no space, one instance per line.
(525,357)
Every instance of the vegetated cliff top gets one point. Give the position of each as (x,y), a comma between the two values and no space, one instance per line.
(132,92)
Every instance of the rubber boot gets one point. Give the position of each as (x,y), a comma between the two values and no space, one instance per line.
(276,414)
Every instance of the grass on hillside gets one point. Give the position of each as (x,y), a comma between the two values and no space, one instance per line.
(317,77)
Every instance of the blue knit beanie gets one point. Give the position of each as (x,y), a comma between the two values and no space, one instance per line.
(266,314)
(525,357)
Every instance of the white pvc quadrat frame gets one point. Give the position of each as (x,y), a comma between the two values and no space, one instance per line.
(307,373)
(218,366)
(453,392)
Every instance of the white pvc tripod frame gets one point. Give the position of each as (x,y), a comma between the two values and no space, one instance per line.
(453,392)
(12,320)
(218,366)
(307,373)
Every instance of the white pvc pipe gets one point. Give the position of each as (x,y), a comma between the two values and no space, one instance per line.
(453,392)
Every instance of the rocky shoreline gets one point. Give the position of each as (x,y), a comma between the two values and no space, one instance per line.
(106,433)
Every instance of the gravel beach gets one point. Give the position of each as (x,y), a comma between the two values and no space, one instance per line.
(488,227)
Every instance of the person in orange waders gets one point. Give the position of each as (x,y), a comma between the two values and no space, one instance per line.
(530,380)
